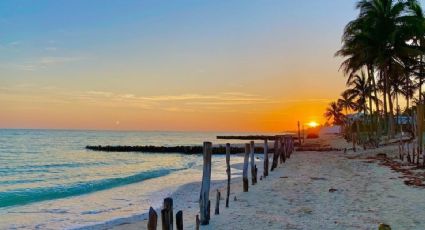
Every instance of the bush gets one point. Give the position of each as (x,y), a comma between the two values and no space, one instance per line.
(312,135)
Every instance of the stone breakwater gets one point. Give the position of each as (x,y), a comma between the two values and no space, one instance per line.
(170,149)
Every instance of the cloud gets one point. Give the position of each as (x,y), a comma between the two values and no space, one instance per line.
(190,102)
(14,43)
(99,93)
(51,48)
(41,63)
(313,100)
(180,102)
(46,61)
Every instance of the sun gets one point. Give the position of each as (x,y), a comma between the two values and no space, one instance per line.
(313,124)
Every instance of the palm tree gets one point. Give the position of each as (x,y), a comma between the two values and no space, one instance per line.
(379,40)
(346,102)
(416,32)
(334,112)
(360,91)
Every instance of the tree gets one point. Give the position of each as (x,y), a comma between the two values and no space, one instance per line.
(379,39)
(346,102)
(334,112)
(359,91)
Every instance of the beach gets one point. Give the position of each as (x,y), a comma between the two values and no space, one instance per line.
(313,190)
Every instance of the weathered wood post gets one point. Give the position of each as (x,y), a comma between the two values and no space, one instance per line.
(266,159)
(275,154)
(299,134)
(245,169)
(282,150)
(153,219)
(253,171)
(204,204)
(197,222)
(292,145)
(287,148)
(167,214)
(303,135)
(228,171)
(179,220)
(217,203)
(420,124)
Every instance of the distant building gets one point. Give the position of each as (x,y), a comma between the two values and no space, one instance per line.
(354,116)
(335,129)
(403,120)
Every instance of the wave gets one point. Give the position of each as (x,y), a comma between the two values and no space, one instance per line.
(44,168)
(26,196)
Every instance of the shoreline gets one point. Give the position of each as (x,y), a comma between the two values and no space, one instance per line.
(297,194)
(184,193)
(191,206)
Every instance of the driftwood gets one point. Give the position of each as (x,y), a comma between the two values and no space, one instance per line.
(167,214)
(179,220)
(245,169)
(266,159)
(253,171)
(153,219)
(204,204)
(217,203)
(228,171)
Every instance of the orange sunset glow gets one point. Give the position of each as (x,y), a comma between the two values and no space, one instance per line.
(265,76)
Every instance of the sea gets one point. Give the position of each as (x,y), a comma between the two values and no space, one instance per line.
(48,180)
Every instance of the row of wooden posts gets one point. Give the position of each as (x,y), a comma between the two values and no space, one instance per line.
(283,147)
(413,147)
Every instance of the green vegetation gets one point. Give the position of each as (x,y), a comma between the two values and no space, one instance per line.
(383,51)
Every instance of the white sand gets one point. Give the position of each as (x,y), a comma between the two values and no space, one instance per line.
(296,196)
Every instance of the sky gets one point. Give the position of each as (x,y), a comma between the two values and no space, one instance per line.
(232,65)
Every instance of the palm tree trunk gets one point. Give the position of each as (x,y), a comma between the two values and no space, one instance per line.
(398,111)
(391,116)
(407,93)
(421,73)
(371,73)
(390,103)
(385,98)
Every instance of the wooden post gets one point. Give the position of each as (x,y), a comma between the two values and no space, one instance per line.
(197,222)
(299,134)
(179,220)
(217,203)
(275,154)
(228,171)
(266,159)
(167,214)
(283,150)
(420,129)
(153,219)
(253,173)
(205,187)
(303,134)
(287,147)
(245,169)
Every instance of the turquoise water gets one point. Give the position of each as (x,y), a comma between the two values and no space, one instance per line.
(51,169)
